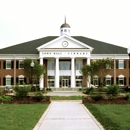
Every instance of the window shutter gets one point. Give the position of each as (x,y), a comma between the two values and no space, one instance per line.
(124,64)
(12,80)
(117,64)
(4,81)
(17,64)
(99,80)
(129,81)
(104,81)
(124,80)
(17,80)
(112,80)
(117,80)
(4,64)
(12,64)
(25,80)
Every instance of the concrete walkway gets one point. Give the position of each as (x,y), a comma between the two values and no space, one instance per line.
(67,115)
(64,93)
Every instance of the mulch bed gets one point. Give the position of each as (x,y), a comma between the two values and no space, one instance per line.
(28,100)
(119,100)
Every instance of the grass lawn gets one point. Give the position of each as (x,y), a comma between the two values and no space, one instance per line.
(111,116)
(66,97)
(20,116)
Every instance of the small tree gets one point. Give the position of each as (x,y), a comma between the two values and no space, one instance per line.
(37,72)
(97,67)
(102,67)
(87,71)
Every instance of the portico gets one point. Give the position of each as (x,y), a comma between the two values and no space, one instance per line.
(63,66)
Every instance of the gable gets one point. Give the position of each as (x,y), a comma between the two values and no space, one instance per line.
(64,42)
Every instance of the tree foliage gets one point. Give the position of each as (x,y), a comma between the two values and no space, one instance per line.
(98,67)
(35,72)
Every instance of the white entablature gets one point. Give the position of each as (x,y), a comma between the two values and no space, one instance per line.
(64,46)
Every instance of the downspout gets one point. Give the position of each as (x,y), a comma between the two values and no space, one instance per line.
(115,69)
(14,70)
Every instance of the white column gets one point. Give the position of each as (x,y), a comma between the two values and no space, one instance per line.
(41,82)
(88,80)
(88,61)
(72,73)
(57,72)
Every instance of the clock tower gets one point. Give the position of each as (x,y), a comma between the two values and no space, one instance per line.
(65,28)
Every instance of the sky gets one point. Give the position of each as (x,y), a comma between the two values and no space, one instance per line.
(102,20)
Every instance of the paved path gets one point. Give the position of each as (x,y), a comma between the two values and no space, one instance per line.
(67,115)
(65,93)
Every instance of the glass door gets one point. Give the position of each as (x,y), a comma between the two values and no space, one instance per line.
(65,82)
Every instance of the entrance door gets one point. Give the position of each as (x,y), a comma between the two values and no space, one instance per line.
(65,82)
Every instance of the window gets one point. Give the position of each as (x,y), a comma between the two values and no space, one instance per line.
(8,80)
(8,64)
(121,80)
(20,65)
(64,65)
(121,64)
(21,79)
(79,64)
(51,65)
(65,30)
(108,80)
(78,81)
(95,81)
(51,81)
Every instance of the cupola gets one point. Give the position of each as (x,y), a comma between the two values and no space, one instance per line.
(65,28)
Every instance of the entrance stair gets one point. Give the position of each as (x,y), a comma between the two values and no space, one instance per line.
(65,89)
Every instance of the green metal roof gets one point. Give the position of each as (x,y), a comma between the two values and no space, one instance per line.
(30,46)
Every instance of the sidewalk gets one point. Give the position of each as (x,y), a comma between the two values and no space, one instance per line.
(64,93)
(67,115)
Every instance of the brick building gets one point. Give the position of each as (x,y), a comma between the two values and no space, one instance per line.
(63,56)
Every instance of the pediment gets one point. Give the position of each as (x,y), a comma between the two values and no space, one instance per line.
(64,42)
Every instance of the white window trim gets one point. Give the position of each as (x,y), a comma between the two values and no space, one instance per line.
(20,76)
(19,64)
(7,77)
(96,77)
(6,64)
(121,77)
(118,64)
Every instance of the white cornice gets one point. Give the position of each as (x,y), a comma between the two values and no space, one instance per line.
(19,56)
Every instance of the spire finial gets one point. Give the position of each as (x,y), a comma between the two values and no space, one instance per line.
(65,18)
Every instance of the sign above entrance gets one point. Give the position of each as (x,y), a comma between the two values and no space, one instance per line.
(65,54)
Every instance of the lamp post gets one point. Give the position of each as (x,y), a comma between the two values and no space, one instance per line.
(32,65)
(128,50)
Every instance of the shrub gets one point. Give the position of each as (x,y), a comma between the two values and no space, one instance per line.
(1,98)
(113,90)
(7,98)
(22,91)
(127,97)
(89,90)
(1,93)
(38,96)
(97,97)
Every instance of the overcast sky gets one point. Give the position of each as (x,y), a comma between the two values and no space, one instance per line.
(26,20)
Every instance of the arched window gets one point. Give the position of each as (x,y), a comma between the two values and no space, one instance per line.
(95,80)
(108,80)
(121,80)
(8,80)
(21,79)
